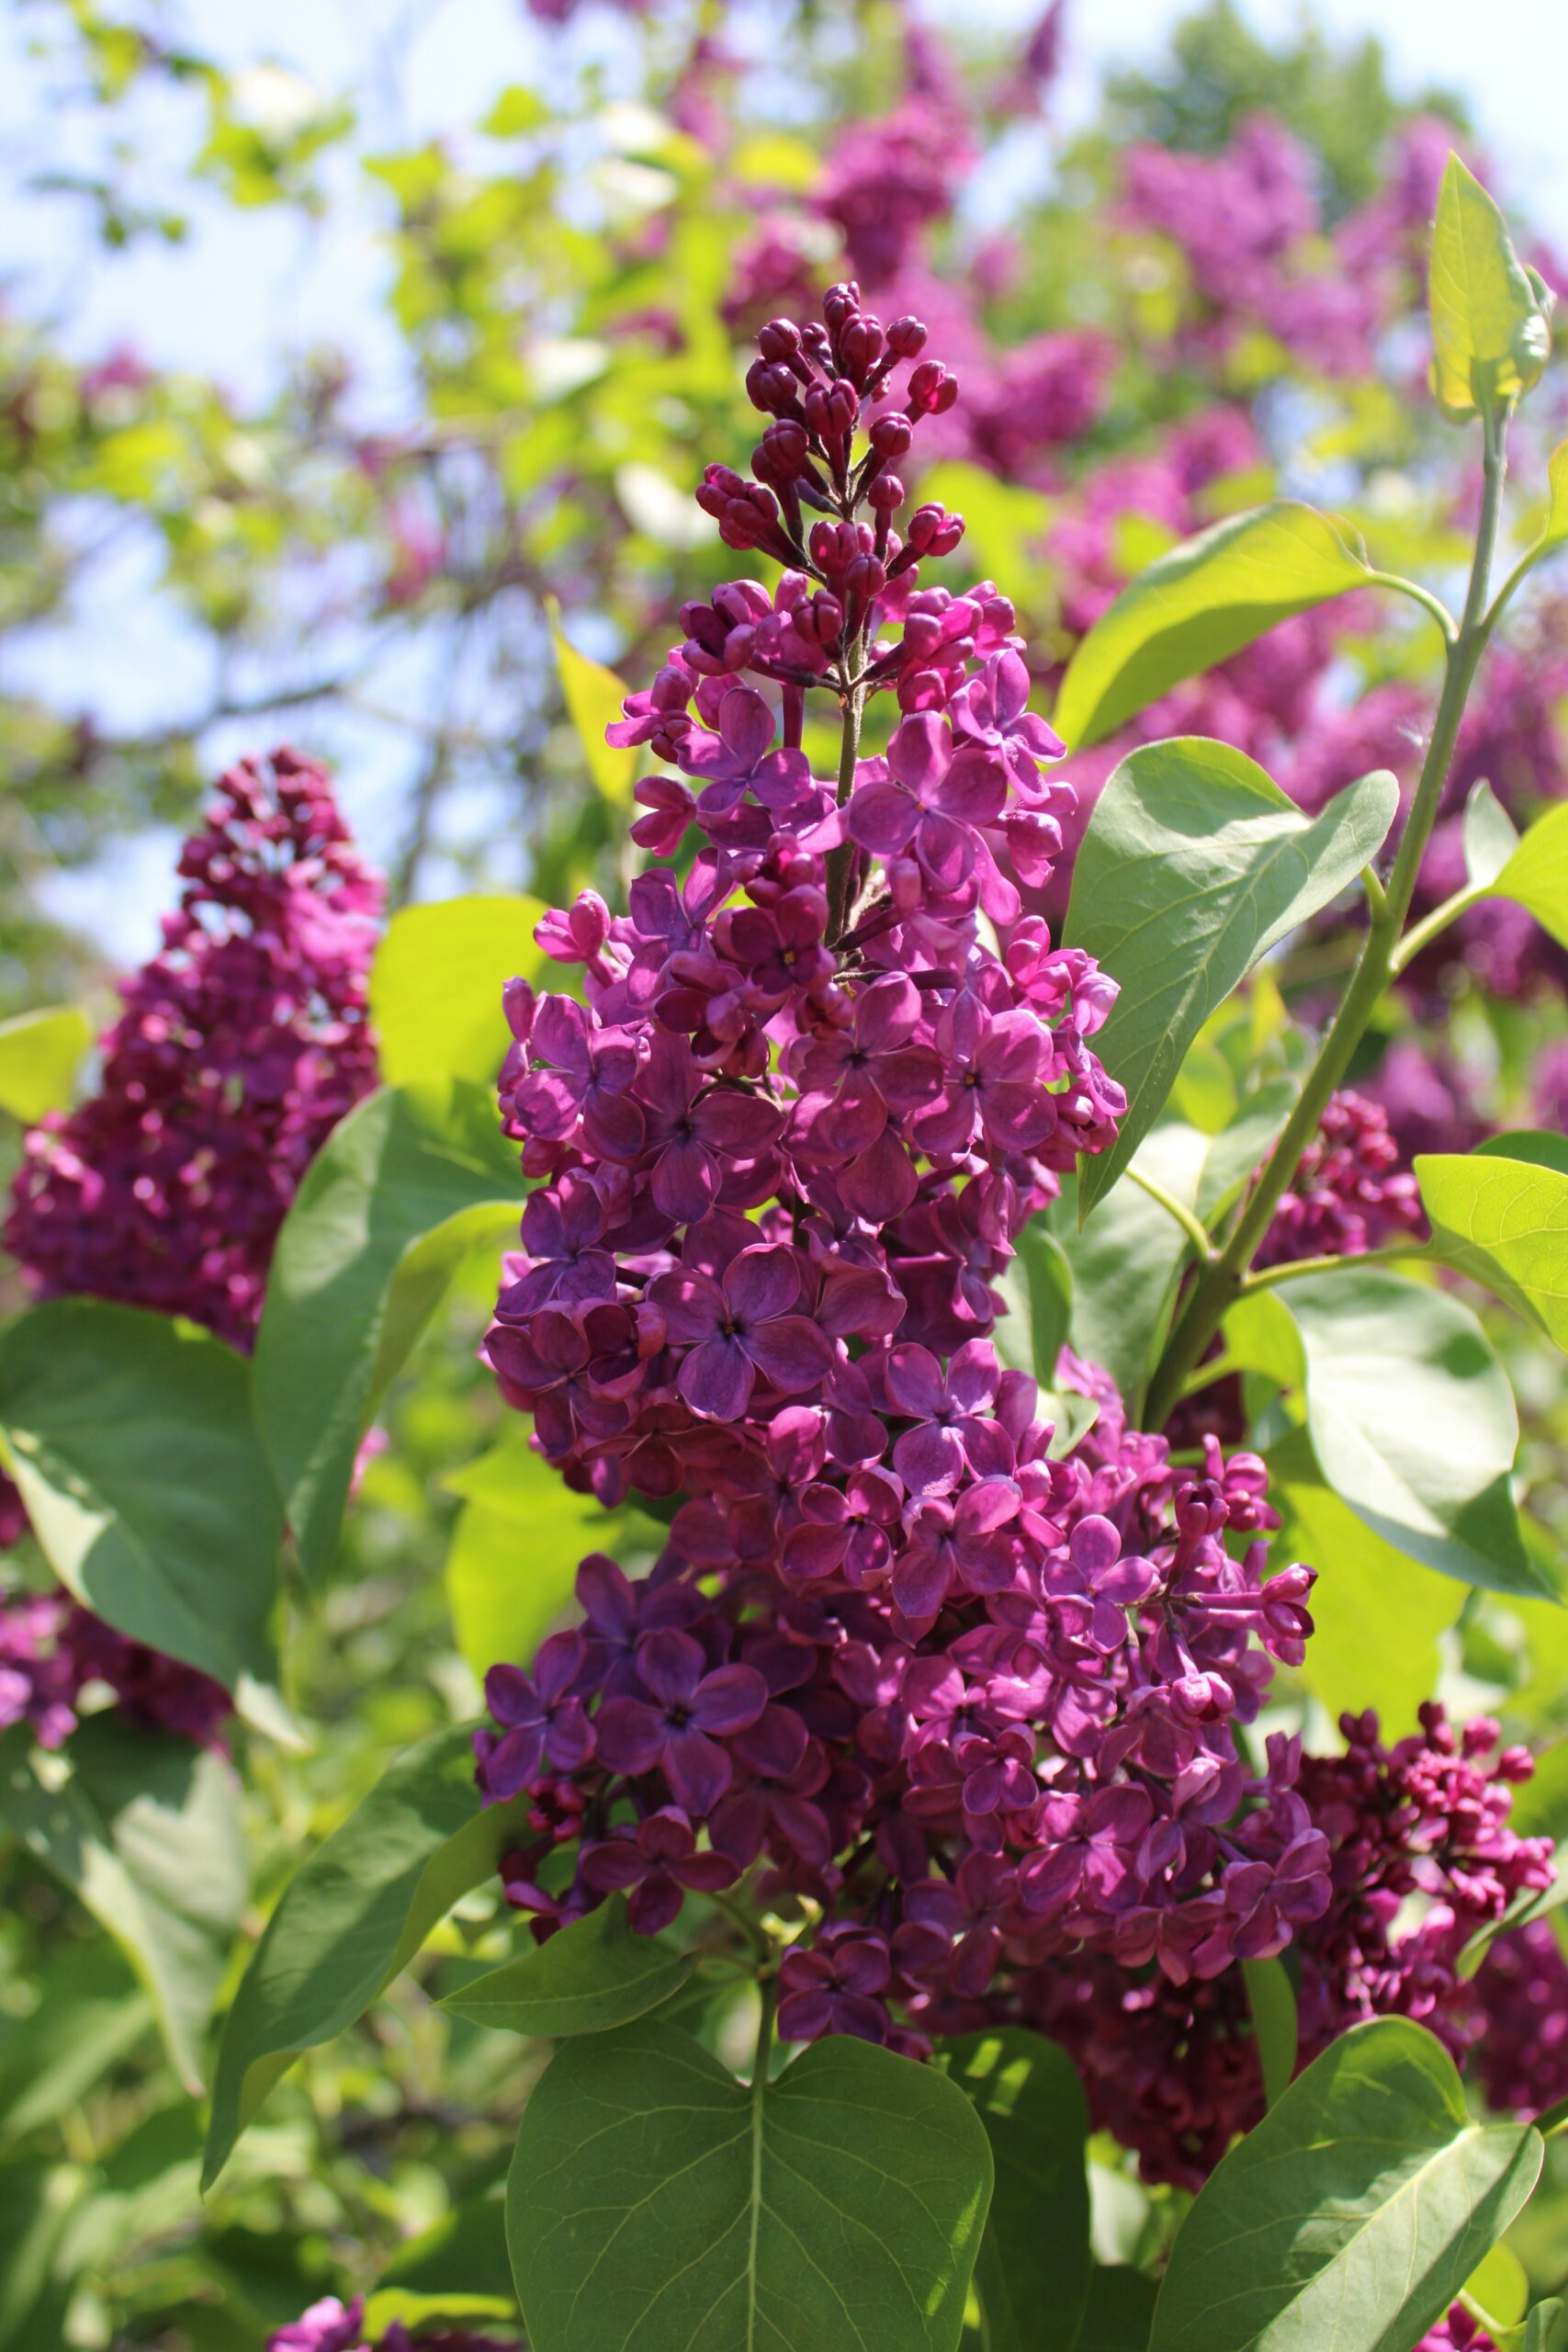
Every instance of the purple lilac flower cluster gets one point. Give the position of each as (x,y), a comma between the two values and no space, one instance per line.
(808,1017)
(1172,2069)
(1041,1762)
(51,1648)
(1522,1985)
(1350,1193)
(334,2327)
(242,1044)
(978,1702)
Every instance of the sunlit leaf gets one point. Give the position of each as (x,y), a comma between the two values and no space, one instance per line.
(1198,605)
(436,982)
(39,1055)
(1194,865)
(1490,337)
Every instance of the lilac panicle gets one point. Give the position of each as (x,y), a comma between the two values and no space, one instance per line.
(240,1045)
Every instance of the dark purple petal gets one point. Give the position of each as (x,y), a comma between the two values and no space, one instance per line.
(728,1698)
(697,1769)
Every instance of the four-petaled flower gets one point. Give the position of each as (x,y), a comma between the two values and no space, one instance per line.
(738,1326)
(677,1728)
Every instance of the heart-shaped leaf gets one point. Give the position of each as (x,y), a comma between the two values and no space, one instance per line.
(840,2203)
(594,1975)
(1352,2215)
(412,1180)
(1194,865)
(1199,604)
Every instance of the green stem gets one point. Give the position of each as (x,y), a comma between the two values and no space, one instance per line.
(737,1915)
(1293,1269)
(1423,596)
(1219,1284)
(841,860)
(1191,1226)
(1421,934)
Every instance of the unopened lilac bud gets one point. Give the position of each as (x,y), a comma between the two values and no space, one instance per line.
(932,388)
(779,340)
(933,531)
(906,338)
(840,304)
(892,434)
(771,389)
(885,494)
(860,346)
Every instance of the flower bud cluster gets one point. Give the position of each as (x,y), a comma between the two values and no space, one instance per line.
(51,1649)
(1421,1857)
(1522,1985)
(242,1044)
(1350,1193)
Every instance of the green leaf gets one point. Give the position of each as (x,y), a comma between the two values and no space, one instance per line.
(1490,335)
(1120,2311)
(1499,2285)
(353,1917)
(1504,1222)
(1200,603)
(1538,1145)
(436,982)
(1537,874)
(1412,1420)
(40,1055)
(1035,2254)
(512,1564)
(1194,865)
(1377,1613)
(464,2252)
(130,1438)
(1242,1146)
(1546,2330)
(1271,1999)
(144,1828)
(90,2016)
(1038,1288)
(596,1974)
(840,2204)
(37,2201)
(1491,836)
(593,698)
(1556,529)
(412,1180)
(1124,1258)
(1350,2218)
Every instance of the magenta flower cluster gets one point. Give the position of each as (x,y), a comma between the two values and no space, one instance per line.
(1522,1985)
(978,1702)
(1042,1760)
(1350,1193)
(51,1649)
(241,1045)
(334,2327)
(1421,1858)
